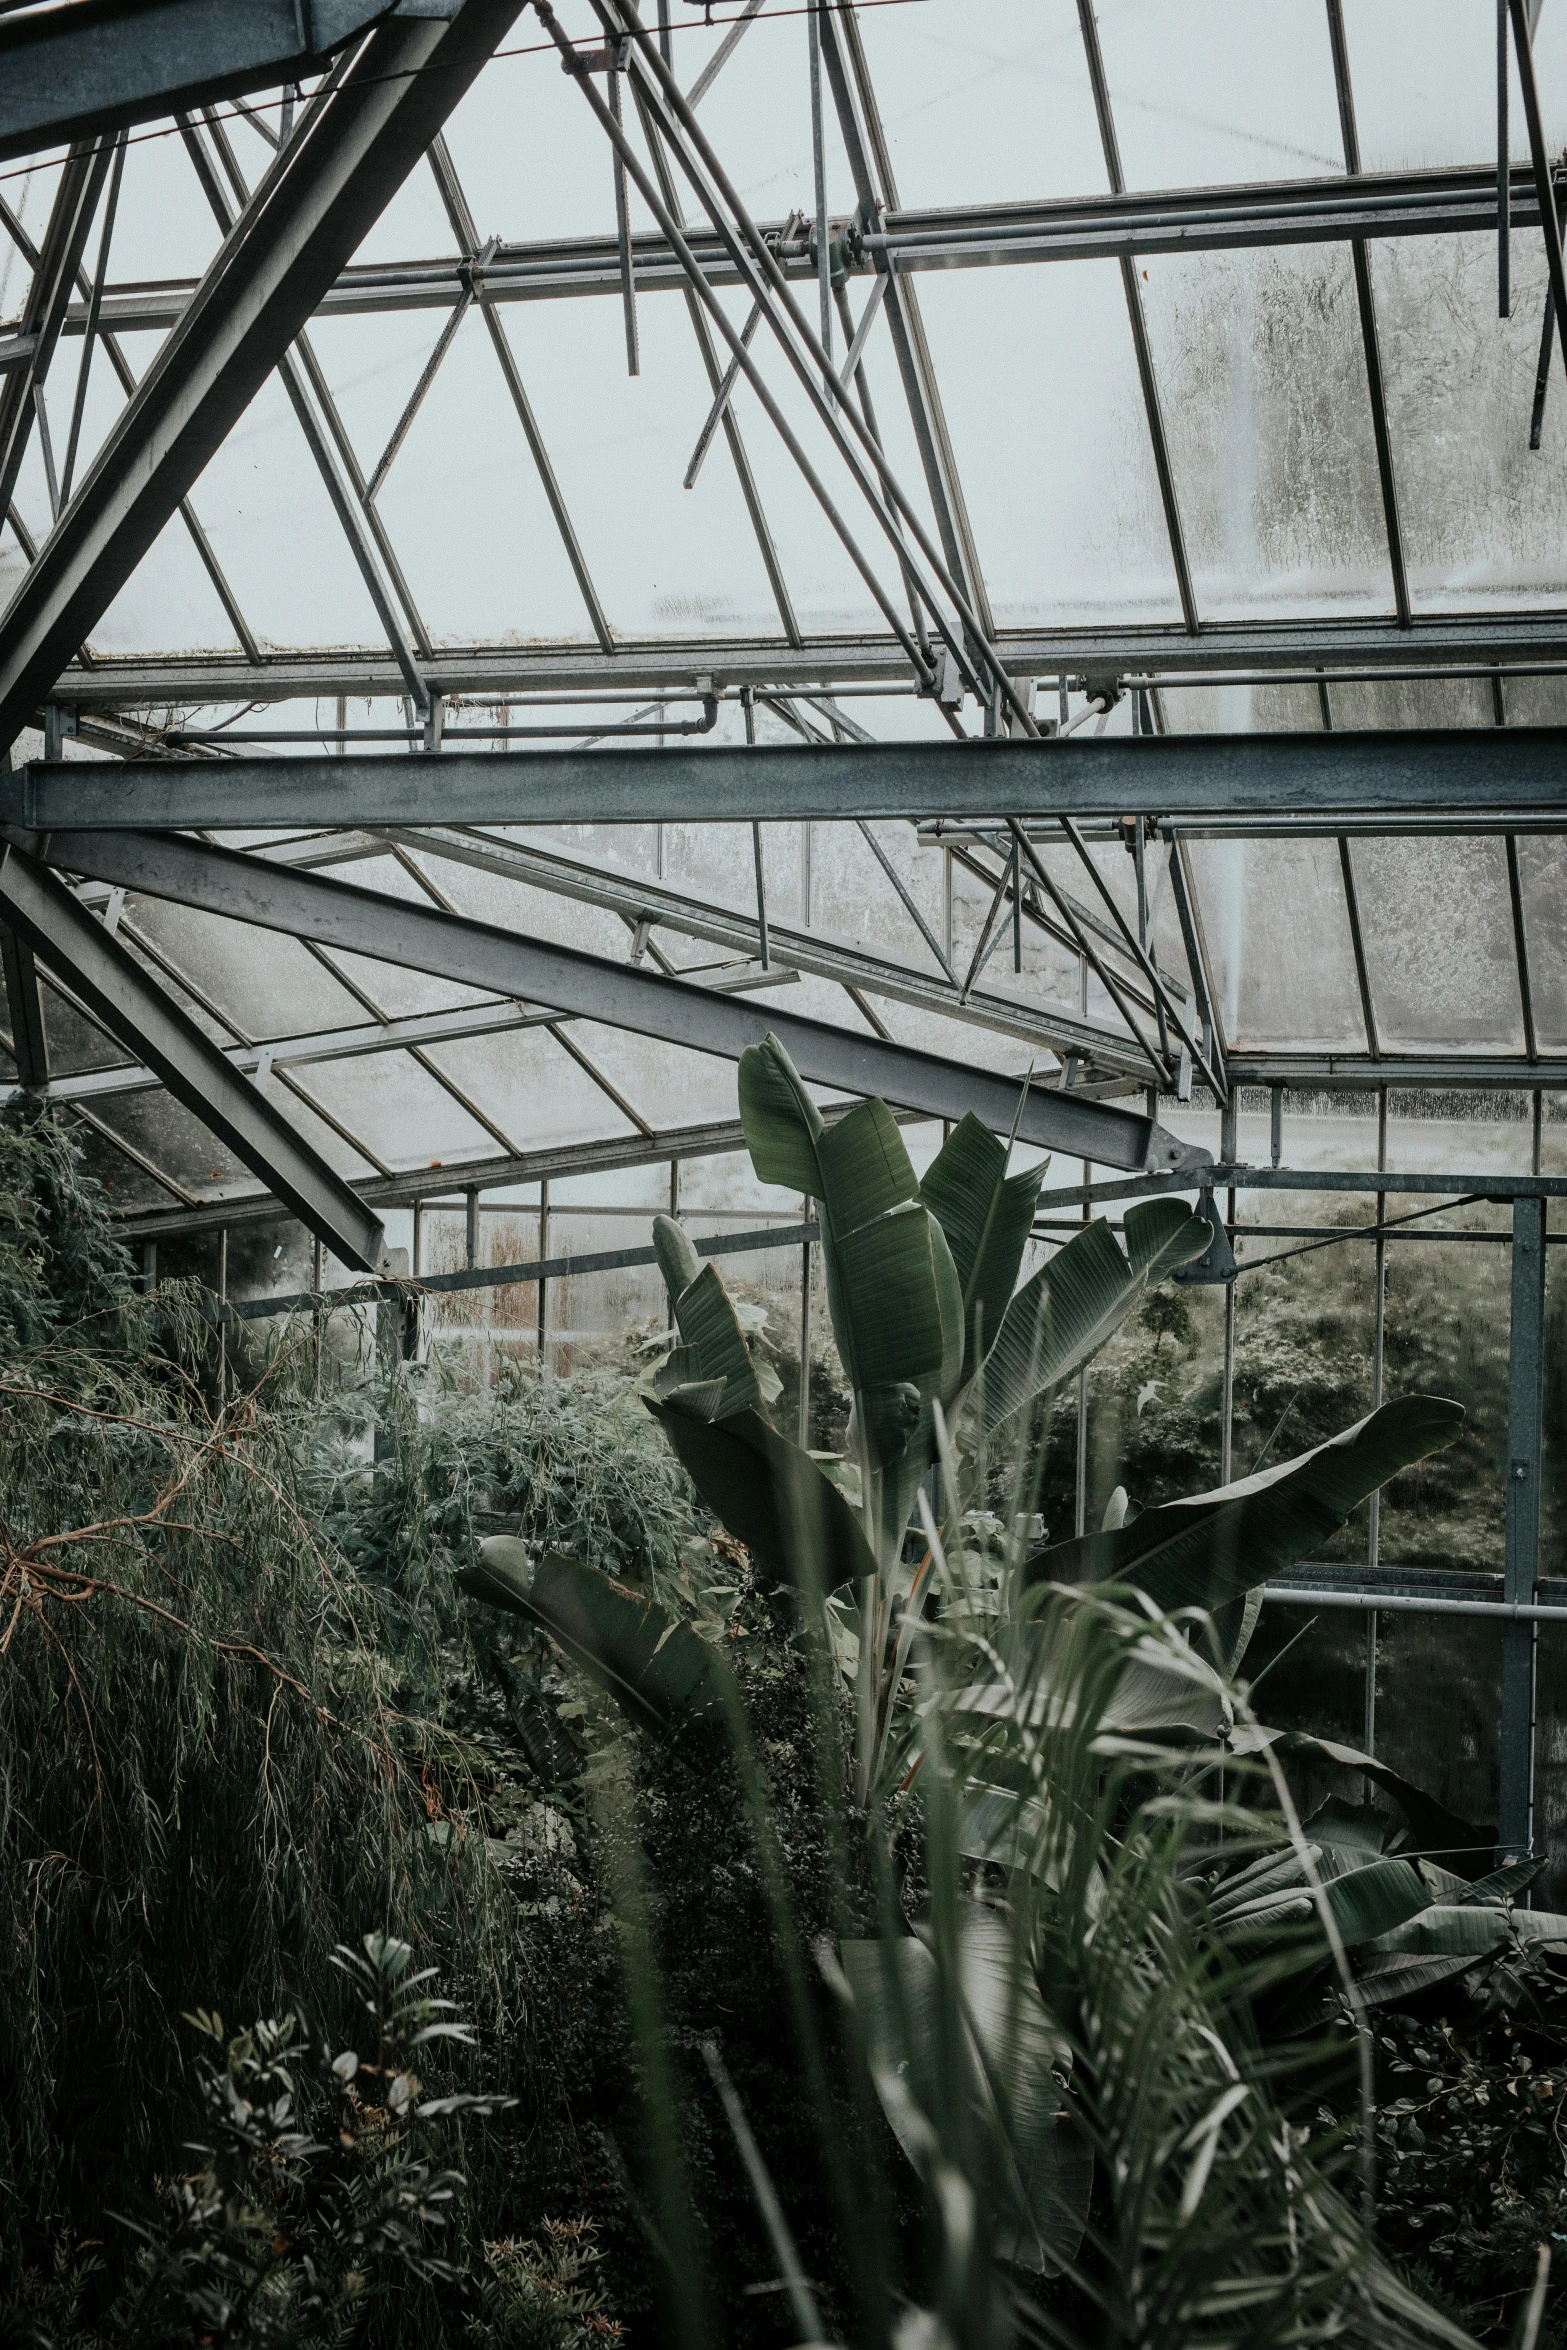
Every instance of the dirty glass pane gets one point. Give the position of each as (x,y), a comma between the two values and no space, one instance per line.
(1279,943)
(1264,392)
(1436,916)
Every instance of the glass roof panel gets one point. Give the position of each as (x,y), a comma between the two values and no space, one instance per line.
(1221,90)
(1437,921)
(1542,889)
(990,107)
(397,1109)
(1053,450)
(289,995)
(1278,941)
(1425,83)
(1485,519)
(169,603)
(1263,388)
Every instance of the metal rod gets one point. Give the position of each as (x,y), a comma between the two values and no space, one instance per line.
(819,165)
(898,883)
(1523,49)
(628,282)
(1375,1603)
(543,1277)
(1227,1147)
(754,273)
(1521,949)
(804,1422)
(463,228)
(431,369)
(721,400)
(1378,1362)
(737,450)
(809,358)
(922,389)
(721,55)
(1357,942)
(94,306)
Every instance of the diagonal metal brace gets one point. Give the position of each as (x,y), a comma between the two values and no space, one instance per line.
(43,915)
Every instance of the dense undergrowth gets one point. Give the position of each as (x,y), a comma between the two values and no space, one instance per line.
(249,1719)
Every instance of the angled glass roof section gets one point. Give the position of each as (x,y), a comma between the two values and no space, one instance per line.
(1262,384)
(1219,91)
(1039,382)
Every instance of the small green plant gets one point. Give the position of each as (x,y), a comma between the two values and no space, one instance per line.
(544,2292)
(324,2182)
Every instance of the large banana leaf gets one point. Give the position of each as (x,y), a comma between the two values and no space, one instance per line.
(771,1496)
(1374,1899)
(986,1215)
(662,1674)
(1211,1548)
(782,1124)
(1071,1306)
(891,1288)
(1459,1843)
(1012,2066)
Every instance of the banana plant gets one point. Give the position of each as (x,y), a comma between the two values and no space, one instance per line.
(931,1329)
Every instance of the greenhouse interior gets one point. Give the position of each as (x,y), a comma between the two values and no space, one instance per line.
(741,746)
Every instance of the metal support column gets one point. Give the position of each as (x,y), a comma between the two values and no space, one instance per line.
(1374,1520)
(1525,1415)
(544,1287)
(1227,1147)
(804,1431)
(24,1007)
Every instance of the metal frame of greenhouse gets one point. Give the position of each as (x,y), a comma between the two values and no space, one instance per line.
(169,777)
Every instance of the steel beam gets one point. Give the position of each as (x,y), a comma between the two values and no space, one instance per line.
(1512,642)
(975,236)
(24,1008)
(91,67)
(70,219)
(1469,772)
(1521,1560)
(38,909)
(478,954)
(348,155)
(814,952)
(1352,1072)
(461,1181)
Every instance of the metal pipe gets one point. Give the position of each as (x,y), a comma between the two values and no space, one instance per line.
(1377,1603)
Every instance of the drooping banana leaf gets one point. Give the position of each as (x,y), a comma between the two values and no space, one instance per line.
(660,1672)
(1073,1305)
(1012,2061)
(1366,1902)
(771,1496)
(1460,1845)
(986,1215)
(1215,1546)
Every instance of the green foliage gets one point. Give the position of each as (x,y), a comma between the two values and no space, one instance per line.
(325,2186)
(564,1466)
(205,1770)
(1472,2105)
(544,2293)
(60,1264)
